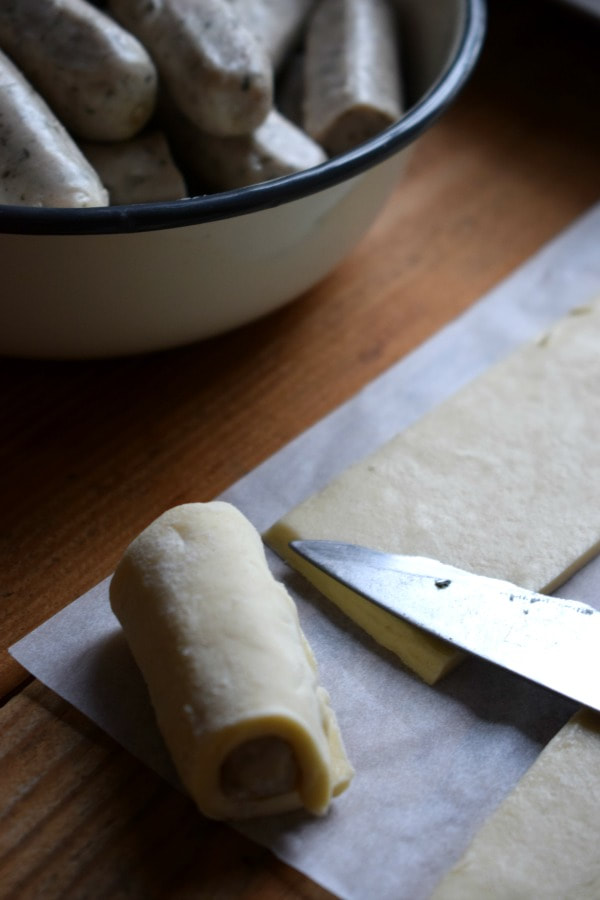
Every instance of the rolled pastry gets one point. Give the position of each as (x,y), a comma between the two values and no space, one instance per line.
(232,679)
(500,479)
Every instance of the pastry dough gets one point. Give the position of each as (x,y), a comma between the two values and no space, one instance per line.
(501,479)
(232,679)
(543,839)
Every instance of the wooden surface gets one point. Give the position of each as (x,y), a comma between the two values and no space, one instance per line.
(91,452)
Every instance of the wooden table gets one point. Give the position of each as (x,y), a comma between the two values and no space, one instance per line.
(91,452)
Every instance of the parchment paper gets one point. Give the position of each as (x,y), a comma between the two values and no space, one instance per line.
(431,763)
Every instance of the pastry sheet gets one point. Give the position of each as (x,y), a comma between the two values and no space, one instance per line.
(431,763)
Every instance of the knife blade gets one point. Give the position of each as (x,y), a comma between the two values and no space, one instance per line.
(546,639)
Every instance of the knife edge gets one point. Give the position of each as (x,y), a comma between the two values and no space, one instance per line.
(552,641)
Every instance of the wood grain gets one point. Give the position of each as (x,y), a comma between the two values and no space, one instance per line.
(86,820)
(93,451)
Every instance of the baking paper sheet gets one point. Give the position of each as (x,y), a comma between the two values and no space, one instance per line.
(431,763)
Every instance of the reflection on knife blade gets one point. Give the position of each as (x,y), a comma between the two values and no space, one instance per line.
(552,641)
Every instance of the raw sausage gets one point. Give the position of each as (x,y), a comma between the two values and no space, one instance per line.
(276,23)
(40,165)
(352,75)
(96,77)
(213,68)
(275,148)
(140,170)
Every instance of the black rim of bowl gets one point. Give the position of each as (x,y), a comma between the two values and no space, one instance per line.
(212,207)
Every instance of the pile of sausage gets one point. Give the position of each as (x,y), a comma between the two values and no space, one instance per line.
(136,101)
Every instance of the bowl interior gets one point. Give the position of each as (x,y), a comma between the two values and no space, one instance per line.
(440,43)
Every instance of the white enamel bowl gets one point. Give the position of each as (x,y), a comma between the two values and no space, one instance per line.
(129,279)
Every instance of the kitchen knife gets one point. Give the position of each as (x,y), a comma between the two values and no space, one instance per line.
(546,639)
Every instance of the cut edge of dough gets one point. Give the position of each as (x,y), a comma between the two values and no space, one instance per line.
(315,785)
(509,856)
(430,657)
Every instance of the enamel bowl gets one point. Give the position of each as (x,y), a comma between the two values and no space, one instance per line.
(84,283)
